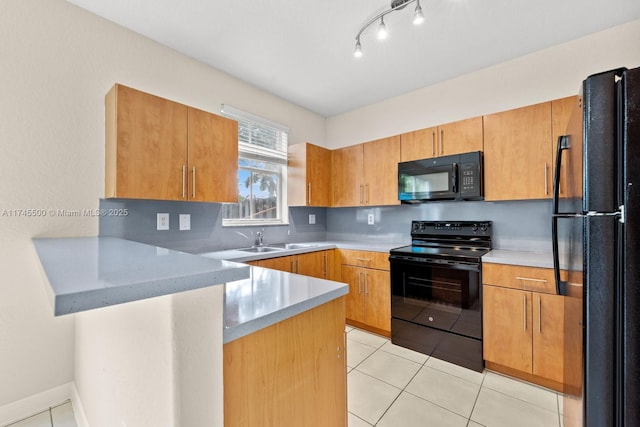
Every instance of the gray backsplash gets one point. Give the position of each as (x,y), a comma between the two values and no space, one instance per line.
(521,225)
(207,233)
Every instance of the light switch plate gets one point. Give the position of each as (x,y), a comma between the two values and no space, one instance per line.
(312,218)
(163,221)
(185,221)
(370,219)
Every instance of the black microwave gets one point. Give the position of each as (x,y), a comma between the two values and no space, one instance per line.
(455,177)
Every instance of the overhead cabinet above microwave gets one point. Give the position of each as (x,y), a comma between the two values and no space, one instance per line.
(456,177)
(458,137)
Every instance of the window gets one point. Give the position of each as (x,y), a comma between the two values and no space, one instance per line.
(262,166)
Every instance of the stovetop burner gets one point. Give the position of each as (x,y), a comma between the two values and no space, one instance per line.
(449,241)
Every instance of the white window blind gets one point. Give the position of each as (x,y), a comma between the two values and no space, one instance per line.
(258,138)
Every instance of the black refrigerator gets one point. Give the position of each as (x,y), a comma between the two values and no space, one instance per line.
(596,245)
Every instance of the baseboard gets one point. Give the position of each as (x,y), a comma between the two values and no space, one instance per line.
(78,409)
(34,404)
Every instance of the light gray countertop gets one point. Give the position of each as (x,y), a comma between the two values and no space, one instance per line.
(269,296)
(524,258)
(92,272)
(240,256)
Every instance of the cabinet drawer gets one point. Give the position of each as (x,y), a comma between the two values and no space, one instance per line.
(519,277)
(369,259)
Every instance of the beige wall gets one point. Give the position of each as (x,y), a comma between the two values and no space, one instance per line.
(541,76)
(57,63)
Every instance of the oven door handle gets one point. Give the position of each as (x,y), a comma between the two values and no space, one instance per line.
(399,261)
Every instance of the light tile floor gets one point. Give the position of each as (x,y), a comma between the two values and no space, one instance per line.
(390,386)
(56,416)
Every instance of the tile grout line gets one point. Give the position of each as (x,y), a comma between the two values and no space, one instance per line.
(401,390)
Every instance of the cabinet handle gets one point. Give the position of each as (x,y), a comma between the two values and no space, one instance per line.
(326,266)
(297,265)
(193,191)
(184,173)
(524,307)
(363,259)
(361,191)
(529,279)
(441,142)
(546,180)
(359,282)
(539,315)
(366,283)
(433,143)
(309,191)
(366,194)
(292,265)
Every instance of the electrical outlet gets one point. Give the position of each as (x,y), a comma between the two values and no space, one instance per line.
(185,221)
(312,218)
(163,221)
(370,219)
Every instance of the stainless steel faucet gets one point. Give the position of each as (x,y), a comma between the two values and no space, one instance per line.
(259,235)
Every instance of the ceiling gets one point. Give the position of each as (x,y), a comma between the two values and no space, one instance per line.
(302,50)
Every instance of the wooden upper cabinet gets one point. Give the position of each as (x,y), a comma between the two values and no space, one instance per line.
(146,146)
(566,118)
(419,144)
(381,159)
(213,157)
(366,174)
(309,175)
(163,150)
(347,167)
(458,137)
(517,153)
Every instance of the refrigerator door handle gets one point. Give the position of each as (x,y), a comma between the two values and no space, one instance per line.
(563,144)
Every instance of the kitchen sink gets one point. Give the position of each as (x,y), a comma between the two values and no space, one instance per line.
(260,249)
(291,245)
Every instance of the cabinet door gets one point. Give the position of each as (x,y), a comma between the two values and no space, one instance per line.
(347,164)
(548,336)
(419,144)
(377,306)
(354,299)
(283,263)
(146,146)
(460,137)
(309,175)
(381,159)
(517,153)
(318,176)
(213,157)
(314,264)
(507,328)
(561,116)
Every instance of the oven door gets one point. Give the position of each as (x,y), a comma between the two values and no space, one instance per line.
(438,295)
(432,179)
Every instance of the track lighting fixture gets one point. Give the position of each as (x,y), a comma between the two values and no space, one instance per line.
(418,18)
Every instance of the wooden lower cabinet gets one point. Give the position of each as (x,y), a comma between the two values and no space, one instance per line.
(523,333)
(292,373)
(314,264)
(368,304)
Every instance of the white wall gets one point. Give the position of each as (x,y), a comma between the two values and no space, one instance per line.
(541,76)
(57,63)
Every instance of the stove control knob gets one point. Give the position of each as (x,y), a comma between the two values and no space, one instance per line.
(475,227)
(483,227)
